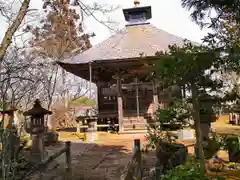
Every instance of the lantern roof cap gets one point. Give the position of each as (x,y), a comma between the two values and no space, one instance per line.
(206,97)
(37,110)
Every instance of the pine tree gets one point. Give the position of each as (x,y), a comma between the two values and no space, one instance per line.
(187,66)
(200,10)
(226,31)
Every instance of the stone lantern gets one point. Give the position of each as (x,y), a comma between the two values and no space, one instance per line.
(176,91)
(235,114)
(37,113)
(37,128)
(207,114)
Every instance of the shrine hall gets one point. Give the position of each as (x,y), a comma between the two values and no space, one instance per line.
(119,67)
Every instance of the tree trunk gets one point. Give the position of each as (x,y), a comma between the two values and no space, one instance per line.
(196,117)
(7,39)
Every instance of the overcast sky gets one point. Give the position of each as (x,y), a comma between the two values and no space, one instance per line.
(167,15)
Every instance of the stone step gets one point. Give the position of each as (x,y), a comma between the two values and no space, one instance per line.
(135,126)
(138,122)
(131,131)
(139,129)
(134,117)
(135,120)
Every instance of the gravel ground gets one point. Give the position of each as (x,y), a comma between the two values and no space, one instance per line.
(106,159)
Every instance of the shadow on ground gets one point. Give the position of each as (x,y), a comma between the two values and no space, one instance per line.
(98,161)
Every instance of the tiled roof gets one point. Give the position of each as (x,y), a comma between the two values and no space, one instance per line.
(130,42)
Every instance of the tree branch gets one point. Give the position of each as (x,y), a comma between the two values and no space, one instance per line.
(13,28)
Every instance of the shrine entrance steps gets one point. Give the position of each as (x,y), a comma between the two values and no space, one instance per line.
(135,124)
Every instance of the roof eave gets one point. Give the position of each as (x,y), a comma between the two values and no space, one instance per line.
(119,60)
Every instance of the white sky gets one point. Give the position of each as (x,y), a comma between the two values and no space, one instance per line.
(167,15)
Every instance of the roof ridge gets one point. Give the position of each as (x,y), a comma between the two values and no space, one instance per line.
(162,30)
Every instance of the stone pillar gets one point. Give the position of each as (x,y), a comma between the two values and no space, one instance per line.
(120,104)
(37,148)
(155,99)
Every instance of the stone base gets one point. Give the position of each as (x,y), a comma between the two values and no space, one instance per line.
(205,129)
(186,134)
(91,137)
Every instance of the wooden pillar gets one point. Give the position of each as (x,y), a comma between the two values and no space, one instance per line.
(137,97)
(155,99)
(120,104)
(68,167)
(90,84)
(99,96)
(137,145)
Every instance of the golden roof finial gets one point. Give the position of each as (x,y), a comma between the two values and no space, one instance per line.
(136,3)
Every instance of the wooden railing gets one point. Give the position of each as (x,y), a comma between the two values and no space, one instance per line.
(134,167)
(42,166)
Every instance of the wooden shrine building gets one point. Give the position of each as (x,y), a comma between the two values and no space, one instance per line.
(119,65)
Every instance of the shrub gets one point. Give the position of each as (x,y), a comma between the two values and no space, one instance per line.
(188,171)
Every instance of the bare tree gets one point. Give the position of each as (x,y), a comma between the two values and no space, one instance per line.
(19,79)
(29,72)
(7,39)
(61,36)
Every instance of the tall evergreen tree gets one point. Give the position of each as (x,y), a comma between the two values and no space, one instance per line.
(226,30)
(201,10)
(188,65)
